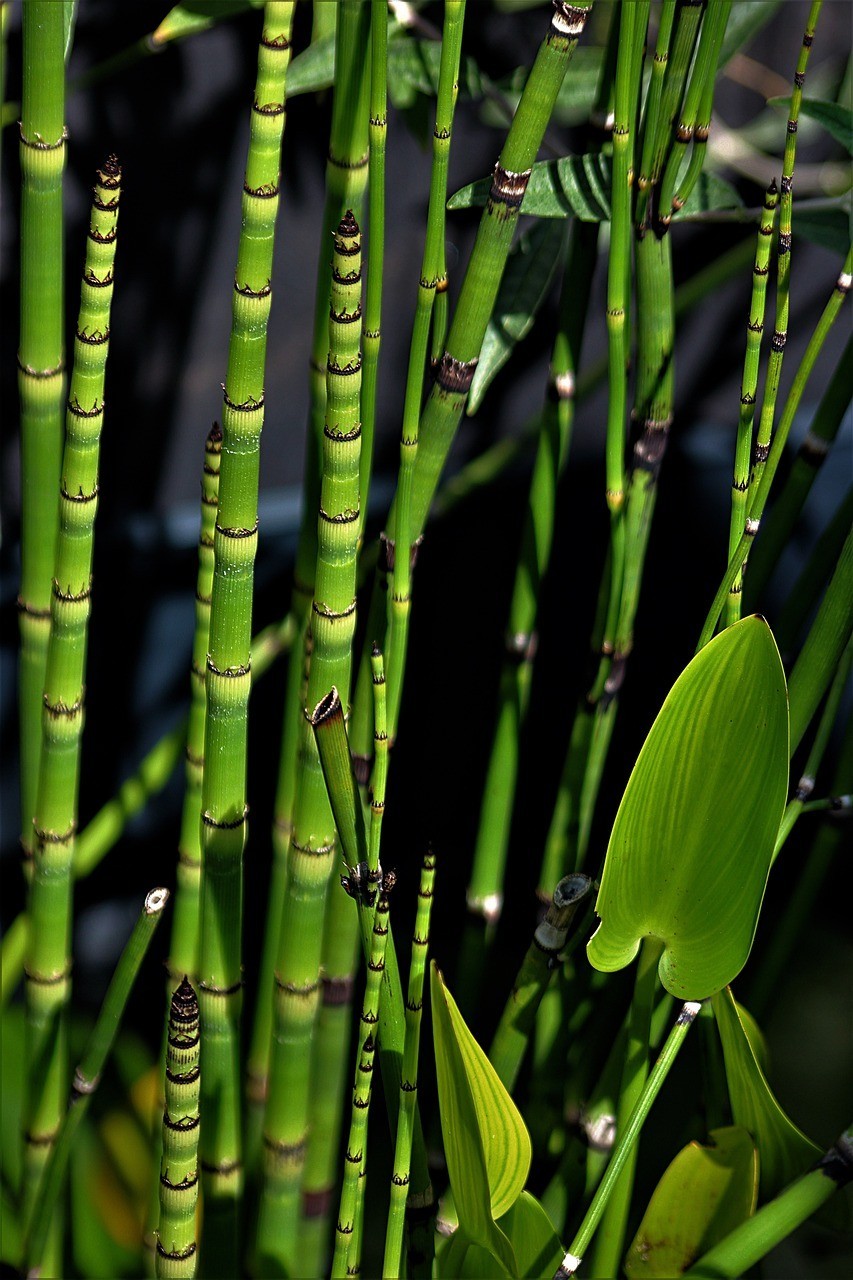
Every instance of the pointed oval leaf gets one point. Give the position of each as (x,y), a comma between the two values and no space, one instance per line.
(503,1139)
(192,16)
(462,1259)
(693,839)
(704,1194)
(536,1245)
(784,1150)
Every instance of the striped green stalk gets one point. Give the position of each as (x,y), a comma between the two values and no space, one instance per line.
(183,957)
(653,107)
(744,1247)
(485,889)
(312,846)
(379,773)
(322,20)
(228,665)
(701,131)
(810,457)
(393,1265)
(699,92)
(783,271)
(41,363)
(347,1242)
(13,949)
(48,963)
(748,389)
(87,1076)
(431,271)
(777,448)
(176,1233)
(346,179)
(597,1214)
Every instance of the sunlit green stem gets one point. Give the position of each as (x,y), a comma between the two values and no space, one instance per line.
(653,107)
(228,667)
(176,1233)
(88,1074)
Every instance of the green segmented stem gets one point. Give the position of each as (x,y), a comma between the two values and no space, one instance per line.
(228,666)
(653,106)
(312,845)
(347,1242)
(48,964)
(777,448)
(176,1234)
(783,276)
(183,957)
(748,389)
(809,459)
(393,1264)
(699,90)
(702,125)
(41,381)
(486,885)
(87,1076)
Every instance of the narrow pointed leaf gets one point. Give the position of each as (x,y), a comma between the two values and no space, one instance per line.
(69,18)
(575,100)
(693,839)
(462,1259)
(192,16)
(313,69)
(829,226)
(704,1194)
(836,118)
(537,1247)
(416,63)
(527,279)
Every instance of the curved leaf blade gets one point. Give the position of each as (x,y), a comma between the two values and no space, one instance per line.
(693,839)
(834,117)
(537,1247)
(704,1194)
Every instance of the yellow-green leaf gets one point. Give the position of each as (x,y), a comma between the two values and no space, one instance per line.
(704,1194)
(693,839)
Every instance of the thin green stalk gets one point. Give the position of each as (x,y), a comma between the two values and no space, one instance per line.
(393,1264)
(821,654)
(13,950)
(88,1075)
(41,364)
(701,133)
(176,1232)
(780,439)
(744,1247)
(805,592)
(347,1243)
(783,278)
(666,22)
(312,845)
(610,1241)
(48,963)
(626,1144)
(810,457)
(228,674)
(748,389)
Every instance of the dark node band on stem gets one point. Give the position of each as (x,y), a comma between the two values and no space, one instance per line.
(94,339)
(210,988)
(568,19)
(340,437)
(178,1255)
(327,708)
(219,824)
(74,407)
(247,406)
(337,992)
(344,371)
(521,647)
(186,1184)
(311,851)
(48,979)
(454,376)
(269,108)
(508,187)
(40,374)
(315,1204)
(38,144)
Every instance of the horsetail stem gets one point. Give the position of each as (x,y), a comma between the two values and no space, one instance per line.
(88,1075)
(749,386)
(702,125)
(41,381)
(183,958)
(485,888)
(347,1242)
(48,963)
(393,1264)
(176,1233)
(777,448)
(228,667)
(653,107)
(783,276)
(379,773)
(701,80)
(312,843)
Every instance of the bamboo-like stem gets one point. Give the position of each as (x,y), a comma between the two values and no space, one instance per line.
(176,1232)
(312,845)
(747,1244)
(758,503)
(228,673)
(609,1243)
(701,129)
(485,888)
(347,1245)
(393,1264)
(748,389)
(48,963)
(666,22)
(627,1142)
(810,457)
(41,380)
(88,1074)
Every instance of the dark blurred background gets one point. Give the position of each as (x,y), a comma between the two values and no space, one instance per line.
(178,121)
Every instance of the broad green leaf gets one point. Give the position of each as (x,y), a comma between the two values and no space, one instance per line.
(524,287)
(464,1260)
(312,69)
(536,1246)
(486,1144)
(836,118)
(417,62)
(580,186)
(747,18)
(192,16)
(784,1151)
(693,839)
(704,1194)
(829,226)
